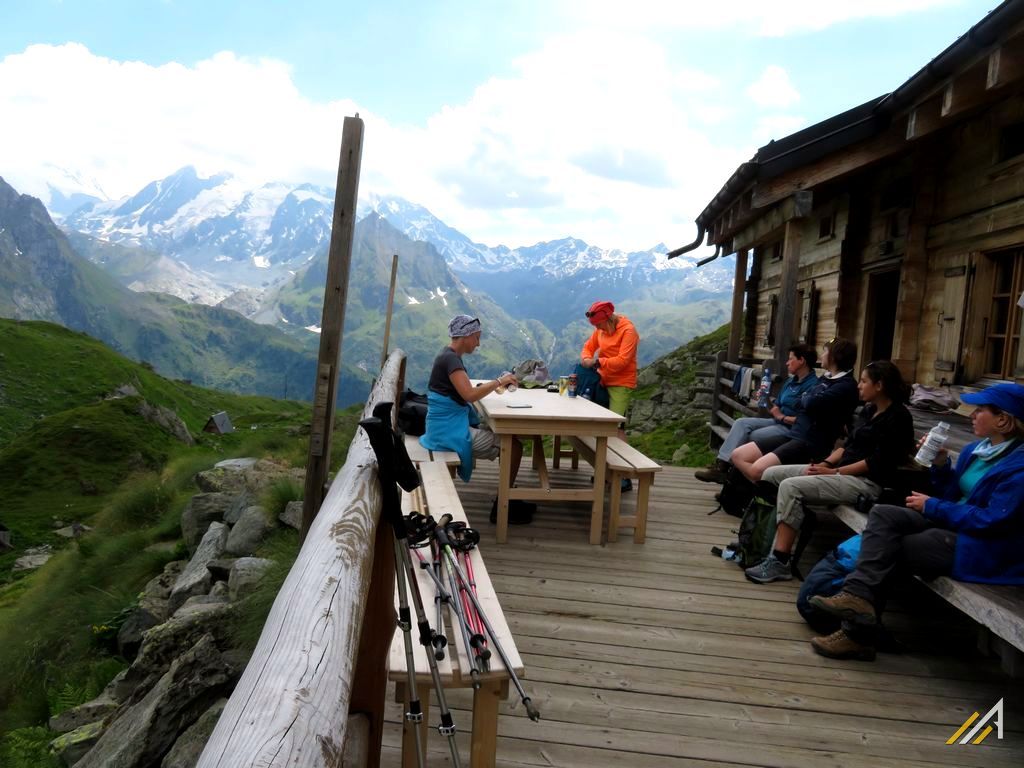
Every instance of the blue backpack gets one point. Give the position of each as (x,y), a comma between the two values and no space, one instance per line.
(588,385)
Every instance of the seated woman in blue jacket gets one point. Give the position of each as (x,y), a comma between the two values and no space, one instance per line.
(972,529)
(452,422)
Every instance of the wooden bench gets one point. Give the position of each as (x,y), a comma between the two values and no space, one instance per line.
(624,461)
(421,455)
(998,609)
(438,496)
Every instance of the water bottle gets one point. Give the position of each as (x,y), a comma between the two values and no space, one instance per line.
(765,389)
(937,437)
(511,387)
(587,394)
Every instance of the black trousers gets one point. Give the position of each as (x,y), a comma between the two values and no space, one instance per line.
(898,540)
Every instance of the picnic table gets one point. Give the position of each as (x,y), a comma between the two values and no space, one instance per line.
(532,414)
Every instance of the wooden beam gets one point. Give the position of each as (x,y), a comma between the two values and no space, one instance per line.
(797,205)
(925,118)
(391,304)
(333,320)
(966,91)
(739,288)
(786,317)
(831,167)
(1005,66)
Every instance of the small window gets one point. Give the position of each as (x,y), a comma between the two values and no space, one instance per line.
(1011,142)
(775,251)
(826,227)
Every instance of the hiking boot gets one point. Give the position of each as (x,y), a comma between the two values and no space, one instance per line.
(768,570)
(840,645)
(627,485)
(846,606)
(715,472)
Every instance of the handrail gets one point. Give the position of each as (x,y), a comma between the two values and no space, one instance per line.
(291,706)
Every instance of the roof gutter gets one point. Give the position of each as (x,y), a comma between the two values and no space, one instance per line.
(690,246)
(712,257)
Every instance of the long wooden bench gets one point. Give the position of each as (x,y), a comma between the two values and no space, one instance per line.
(998,609)
(438,496)
(624,461)
(421,455)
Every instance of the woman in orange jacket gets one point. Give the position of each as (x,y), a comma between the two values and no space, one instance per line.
(612,348)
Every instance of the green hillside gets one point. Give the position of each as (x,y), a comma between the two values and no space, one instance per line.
(70,454)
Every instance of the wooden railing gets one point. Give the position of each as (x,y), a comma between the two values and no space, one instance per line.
(323,649)
(725,408)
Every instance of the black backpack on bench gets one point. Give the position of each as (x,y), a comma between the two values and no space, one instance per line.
(735,495)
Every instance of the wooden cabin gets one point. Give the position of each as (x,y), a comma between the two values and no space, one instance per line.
(898,224)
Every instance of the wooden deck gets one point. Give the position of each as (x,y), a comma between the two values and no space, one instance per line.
(661,655)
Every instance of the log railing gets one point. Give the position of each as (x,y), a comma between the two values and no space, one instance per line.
(323,647)
(725,408)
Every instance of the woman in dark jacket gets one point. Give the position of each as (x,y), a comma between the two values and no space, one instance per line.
(866,463)
(823,416)
(972,529)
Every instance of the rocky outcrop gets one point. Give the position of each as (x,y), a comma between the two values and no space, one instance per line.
(143,733)
(248,533)
(246,575)
(202,510)
(72,746)
(252,479)
(167,420)
(196,578)
(292,515)
(189,746)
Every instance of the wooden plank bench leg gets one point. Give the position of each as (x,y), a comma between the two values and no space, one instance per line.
(614,504)
(643,494)
(484,742)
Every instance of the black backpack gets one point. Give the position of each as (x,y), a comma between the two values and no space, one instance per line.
(588,384)
(735,495)
(412,413)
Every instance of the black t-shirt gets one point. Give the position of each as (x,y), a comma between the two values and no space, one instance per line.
(445,364)
(885,441)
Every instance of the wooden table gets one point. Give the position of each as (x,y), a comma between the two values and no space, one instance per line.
(533,413)
(438,496)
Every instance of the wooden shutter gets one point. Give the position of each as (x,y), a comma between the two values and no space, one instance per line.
(809,314)
(979,309)
(950,319)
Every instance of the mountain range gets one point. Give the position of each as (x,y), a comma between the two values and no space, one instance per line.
(261,252)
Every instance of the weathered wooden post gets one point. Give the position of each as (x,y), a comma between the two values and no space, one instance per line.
(786,321)
(325,393)
(391,303)
(739,292)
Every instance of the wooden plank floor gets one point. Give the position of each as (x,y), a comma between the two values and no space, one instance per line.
(661,655)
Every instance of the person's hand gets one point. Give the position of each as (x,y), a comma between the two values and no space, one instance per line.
(820,469)
(588,362)
(916,501)
(507,378)
(776,413)
(941,456)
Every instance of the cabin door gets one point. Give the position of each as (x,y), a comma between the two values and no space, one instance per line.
(880,321)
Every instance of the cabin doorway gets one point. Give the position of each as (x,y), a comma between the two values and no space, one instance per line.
(880,317)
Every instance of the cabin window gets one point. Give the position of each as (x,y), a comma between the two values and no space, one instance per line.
(1011,142)
(826,226)
(775,251)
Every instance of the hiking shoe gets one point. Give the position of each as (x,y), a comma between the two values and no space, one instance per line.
(768,570)
(627,485)
(840,645)
(715,472)
(846,606)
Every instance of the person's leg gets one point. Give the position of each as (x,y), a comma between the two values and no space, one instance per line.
(618,402)
(881,548)
(789,513)
(755,471)
(517,458)
(825,578)
(744,457)
(740,433)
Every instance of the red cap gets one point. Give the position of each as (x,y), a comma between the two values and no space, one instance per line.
(599,312)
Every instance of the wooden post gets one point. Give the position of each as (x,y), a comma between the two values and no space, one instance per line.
(391,303)
(786,319)
(325,393)
(716,388)
(739,288)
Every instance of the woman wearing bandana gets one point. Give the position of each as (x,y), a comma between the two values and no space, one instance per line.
(452,422)
(972,528)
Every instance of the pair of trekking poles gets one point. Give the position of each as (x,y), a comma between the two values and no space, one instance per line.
(394,468)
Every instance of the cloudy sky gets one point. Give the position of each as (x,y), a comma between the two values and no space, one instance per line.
(614,122)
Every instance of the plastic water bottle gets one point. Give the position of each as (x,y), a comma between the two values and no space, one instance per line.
(511,387)
(587,394)
(765,389)
(932,444)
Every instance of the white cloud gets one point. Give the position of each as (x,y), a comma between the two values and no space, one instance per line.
(753,17)
(773,88)
(592,136)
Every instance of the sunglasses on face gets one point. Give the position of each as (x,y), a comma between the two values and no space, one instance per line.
(595,314)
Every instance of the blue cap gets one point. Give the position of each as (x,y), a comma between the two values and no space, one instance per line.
(1006,397)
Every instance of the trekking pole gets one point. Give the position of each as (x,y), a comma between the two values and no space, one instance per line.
(394,466)
(445,542)
(415,712)
(474,669)
(437,638)
(481,647)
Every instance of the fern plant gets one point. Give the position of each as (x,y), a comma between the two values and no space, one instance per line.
(28,748)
